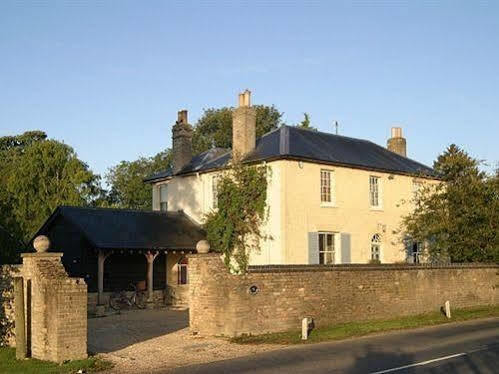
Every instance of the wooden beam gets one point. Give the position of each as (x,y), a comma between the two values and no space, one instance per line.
(150,257)
(102,256)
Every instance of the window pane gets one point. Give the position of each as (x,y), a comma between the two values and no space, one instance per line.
(214,191)
(325,186)
(321,242)
(163,206)
(329,242)
(321,257)
(182,274)
(374,191)
(163,192)
(329,258)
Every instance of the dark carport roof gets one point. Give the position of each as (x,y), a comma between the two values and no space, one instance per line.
(131,229)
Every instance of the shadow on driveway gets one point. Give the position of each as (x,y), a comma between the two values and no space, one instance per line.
(115,332)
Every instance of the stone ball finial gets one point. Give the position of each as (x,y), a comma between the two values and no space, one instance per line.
(203,246)
(41,243)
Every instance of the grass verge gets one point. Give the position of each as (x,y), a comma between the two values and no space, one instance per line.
(352,329)
(9,364)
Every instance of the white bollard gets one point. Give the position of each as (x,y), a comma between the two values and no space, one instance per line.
(304,328)
(447,309)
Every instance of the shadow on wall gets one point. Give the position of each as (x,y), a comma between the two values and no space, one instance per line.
(7,303)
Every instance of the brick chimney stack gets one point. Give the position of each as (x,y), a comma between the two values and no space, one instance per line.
(397,143)
(182,142)
(243,127)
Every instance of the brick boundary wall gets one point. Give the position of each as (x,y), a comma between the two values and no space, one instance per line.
(223,304)
(56,313)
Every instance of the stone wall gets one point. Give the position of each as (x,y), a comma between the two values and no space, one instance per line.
(56,309)
(7,304)
(224,304)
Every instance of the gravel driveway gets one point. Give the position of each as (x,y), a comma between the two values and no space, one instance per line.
(148,341)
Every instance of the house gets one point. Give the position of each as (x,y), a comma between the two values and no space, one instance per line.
(331,199)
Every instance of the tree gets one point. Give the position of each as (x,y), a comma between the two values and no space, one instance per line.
(234,228)
(47,175)
(36,176)
(305,123)
(126,181)
(458,219)
(214,128)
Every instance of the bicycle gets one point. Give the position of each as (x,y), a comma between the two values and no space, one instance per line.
(119,299)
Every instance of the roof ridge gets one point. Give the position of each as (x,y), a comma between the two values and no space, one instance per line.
(284,140)
(118,209)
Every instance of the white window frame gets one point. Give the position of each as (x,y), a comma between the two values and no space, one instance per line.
(214,191)
(332,249)
(375,192)
(376,246)
(327,188)
(416,254)
(161,201)
(182,264)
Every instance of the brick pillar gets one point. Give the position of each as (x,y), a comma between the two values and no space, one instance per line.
(57,311)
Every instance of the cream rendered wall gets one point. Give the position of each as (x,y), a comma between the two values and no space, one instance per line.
(351,213)
(193,194)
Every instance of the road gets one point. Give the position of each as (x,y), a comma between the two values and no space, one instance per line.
(470,347)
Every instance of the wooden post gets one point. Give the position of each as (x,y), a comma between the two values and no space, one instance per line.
(150,257)
(21,351)
(100,275)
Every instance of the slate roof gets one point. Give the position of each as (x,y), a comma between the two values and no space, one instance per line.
(131,229)
(288,142)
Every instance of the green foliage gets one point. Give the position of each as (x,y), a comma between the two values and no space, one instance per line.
(214,128)
(9,364)
(36,176)
(305,123)
(235,227)
(458,219)
(6,297)
(127,189)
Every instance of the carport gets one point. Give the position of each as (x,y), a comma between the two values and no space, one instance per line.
(88,237)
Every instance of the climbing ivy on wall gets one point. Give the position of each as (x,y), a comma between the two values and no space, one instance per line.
(235,227)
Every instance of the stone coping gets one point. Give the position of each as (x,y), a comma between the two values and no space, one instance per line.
(351,267)
(42,255)
(363,267)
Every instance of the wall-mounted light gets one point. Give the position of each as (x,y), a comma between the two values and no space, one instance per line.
(391,176)
(300,164)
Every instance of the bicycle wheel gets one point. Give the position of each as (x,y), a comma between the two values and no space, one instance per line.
(115,301)
(140,300)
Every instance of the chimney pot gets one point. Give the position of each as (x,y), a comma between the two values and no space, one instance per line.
(396,132)
(182,116)
(245,99)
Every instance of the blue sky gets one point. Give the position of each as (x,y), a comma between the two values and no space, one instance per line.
(108,77)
